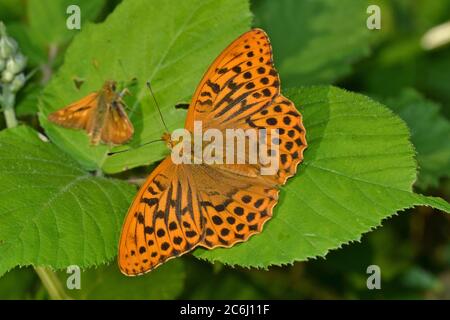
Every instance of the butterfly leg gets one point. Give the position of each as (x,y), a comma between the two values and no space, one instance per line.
(124,92)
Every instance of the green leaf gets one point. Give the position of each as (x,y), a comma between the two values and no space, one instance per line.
(52,212)
(314,41)
(428,131)
(106,282)
(27,100)
(47,19)
(418,278)
(172,50)
(10,10)
(18,284)
(358,170)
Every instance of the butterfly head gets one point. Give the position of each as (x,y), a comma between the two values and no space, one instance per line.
(168,140)
(109,86)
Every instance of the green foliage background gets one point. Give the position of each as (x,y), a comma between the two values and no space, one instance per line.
(375,106)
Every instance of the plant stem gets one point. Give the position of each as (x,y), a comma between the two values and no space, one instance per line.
(8,100)
(52,284)
(99,172)
(46,68)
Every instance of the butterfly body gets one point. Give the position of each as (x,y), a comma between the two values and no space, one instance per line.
(183,206)
(101,114)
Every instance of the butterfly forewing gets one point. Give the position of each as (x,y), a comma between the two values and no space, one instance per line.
(78,114)
(241,81)
(241,89)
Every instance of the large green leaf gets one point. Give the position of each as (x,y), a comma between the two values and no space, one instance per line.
(169,43)
(107,282)
(314,41)
(358,170)
(430,134)
(52,212)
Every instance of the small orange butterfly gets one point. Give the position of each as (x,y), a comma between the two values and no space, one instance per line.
(182,206)
(101,114)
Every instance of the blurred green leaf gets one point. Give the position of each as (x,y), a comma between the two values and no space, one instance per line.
(358,170)
(35,55)
(11,10)
(195,32)
(430,134)
(47,19)
(400,61)
(418,278)
(106,282)
(53,213)
(27,100)
(391,254)
(315,41)
(46,32)
(433,77)
(222,283)
(225,285)
(18,284)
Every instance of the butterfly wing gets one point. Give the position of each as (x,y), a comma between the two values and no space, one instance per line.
(172,214)
(163,222)
(117,128)
(240,81)
(233,207)
(241,89)
(77,115)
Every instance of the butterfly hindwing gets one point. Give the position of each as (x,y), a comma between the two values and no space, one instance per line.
(236,210)
(117,127)
(282,115)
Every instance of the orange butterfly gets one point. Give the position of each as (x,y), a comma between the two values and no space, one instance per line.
(182,206)
(101,114)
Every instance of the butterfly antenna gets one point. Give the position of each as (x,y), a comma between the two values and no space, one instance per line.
(141,145)
(157,106)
